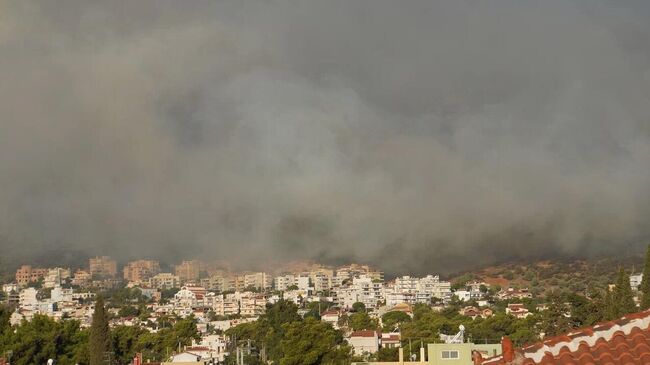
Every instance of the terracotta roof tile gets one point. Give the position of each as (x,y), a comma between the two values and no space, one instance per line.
(620,342)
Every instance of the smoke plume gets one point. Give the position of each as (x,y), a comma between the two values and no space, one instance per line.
(420,136)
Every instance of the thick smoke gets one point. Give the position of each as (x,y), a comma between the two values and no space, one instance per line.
(418,136)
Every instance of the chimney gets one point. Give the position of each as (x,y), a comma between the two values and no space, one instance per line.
(401,355)
(477,358)
(507,350)
(422,356)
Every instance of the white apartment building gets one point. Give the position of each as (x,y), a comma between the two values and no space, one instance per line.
(283,282)
(406,284)
(303,282)
(59,294)
(363,290)
(27,298)
(635,281)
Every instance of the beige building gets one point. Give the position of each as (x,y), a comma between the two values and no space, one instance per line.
(27,274)
(103,267)
(141,270)
(258,280)
(188,270)
(165,281)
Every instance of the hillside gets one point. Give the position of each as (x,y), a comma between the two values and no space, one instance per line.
(542,276)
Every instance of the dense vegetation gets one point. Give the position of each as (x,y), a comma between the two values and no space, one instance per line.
(43,338)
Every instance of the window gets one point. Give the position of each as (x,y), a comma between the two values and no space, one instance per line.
(450,355)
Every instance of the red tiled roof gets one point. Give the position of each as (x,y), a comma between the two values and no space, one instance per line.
(330,313)
(365,333)
(624,341)
(197,348)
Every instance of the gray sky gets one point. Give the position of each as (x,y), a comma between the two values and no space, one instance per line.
(418,136)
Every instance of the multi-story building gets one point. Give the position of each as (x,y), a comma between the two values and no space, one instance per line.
(141,270)
(635,281)
(102,267)
(188,270)
(283,282)
(190,297)
(27,298)
(215,282)
(364,290)
(432,285)
(56,277)
(303,282)
(406,284)
(258,280)
(81,278)
(27,274)
(252,305)
(321,279)
(165,281)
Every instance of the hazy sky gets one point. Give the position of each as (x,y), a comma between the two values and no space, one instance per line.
(416,135)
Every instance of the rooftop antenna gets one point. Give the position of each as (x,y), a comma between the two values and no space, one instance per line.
(457,338)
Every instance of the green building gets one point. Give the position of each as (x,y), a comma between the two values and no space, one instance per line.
(459,353)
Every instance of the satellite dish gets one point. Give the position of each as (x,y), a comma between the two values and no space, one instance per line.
(50,362)
(461,327)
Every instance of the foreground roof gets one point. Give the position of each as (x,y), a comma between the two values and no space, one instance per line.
(623,341)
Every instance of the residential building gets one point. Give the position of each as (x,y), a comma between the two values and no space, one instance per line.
(463,295)
(511,293)
(216,282)
(390,340)
(26,274)
(258,280)
(364,342)
(102,267)
(252,305)
(635,281)
(188,270)
(518,310)
(283,282)
(27,298)
(332,317)
(81,278)
(165,281)
(459,353)
(474,312)
(56,277)
(141,270)
(406,284)
(303,282)
(363,290)
(11,287)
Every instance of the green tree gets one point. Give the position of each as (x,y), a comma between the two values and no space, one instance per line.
(362,321)
(391,320)
(556,319)
(42,338)
(99,341)
(645,282)
(387,354)
(622,297)
(312,342)
(125,342)
(358,307)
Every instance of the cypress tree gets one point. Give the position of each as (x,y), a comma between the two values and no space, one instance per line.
(99,340)
(645,282)
(610,311)
(622,298)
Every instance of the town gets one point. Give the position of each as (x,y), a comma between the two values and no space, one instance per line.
(374,316)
